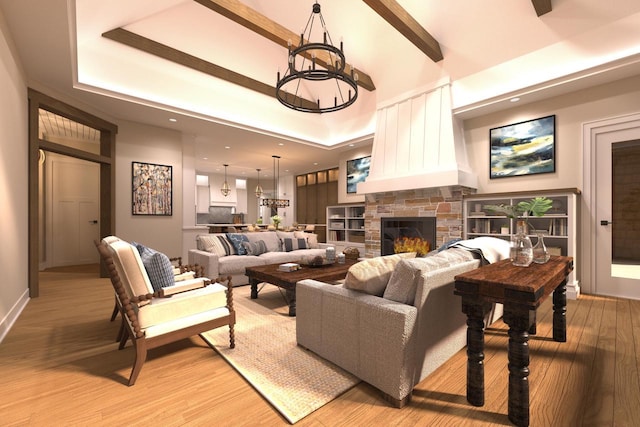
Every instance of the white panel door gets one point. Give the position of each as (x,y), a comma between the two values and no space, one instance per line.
(614,276)
(74,201)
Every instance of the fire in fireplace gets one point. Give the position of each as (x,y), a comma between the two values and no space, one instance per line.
(409,234)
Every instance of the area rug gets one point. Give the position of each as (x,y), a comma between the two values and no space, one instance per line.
(294,380)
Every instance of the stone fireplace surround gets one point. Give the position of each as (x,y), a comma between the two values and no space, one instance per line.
(445,203)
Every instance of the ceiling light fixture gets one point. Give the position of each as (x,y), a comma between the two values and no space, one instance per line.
(259,191)
(275,202)
(317,71)
(225,190)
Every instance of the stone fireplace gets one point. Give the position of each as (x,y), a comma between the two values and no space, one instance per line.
(442,203)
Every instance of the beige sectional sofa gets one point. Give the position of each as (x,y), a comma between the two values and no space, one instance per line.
(396,338)
(218,252)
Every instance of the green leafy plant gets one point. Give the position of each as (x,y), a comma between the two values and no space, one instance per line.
(537,206)
(276,219)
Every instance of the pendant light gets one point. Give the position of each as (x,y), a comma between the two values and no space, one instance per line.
(276,201)
(225,190)
(259,191)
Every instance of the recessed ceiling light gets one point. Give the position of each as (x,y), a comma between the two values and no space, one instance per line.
(352,145)
(205,158)
(315,163)
(516,99)
(227,147)
(281,144)
(173,120)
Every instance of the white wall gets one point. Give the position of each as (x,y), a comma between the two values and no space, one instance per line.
(571,110)
(143,143)
(14,144)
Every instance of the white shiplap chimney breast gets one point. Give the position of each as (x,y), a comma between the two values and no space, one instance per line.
(418,144)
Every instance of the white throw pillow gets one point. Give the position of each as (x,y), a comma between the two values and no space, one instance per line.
(372,275)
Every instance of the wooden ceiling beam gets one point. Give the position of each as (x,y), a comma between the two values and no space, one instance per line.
(152,47)
(542,6)
(260,24)
(402,21)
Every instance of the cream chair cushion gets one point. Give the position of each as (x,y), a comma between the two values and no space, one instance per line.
(181,306)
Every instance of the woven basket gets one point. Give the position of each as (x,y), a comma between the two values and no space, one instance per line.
(351,253)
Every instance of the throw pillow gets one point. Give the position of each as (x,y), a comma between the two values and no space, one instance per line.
(226,245)
(372,275)
(211,243)
(255,248)
(292,244)
(270,238)
(158,266)
(284,235)
(312,238)
(237,239)
(403,282)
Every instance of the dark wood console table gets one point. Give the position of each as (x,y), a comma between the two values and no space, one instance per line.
(521,290)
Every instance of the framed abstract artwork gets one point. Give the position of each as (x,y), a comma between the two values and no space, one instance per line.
(523,148)
(357,171)
(152,189)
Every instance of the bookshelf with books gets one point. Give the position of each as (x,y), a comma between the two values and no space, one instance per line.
(558,225)
(345,226)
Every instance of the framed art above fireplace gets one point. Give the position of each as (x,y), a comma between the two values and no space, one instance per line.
(523,148)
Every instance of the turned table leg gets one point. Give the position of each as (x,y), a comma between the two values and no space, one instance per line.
(291,300)
(254,288)
(560,312)
(519,320)
(475,311)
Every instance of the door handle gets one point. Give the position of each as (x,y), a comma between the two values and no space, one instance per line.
(95,221)
(605,222)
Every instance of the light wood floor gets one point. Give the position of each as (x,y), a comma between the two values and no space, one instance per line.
(59,365)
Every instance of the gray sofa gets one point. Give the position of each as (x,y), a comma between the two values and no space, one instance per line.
(215,252)
(389,344)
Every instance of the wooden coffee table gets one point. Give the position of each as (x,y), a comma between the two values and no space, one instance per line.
(287,279)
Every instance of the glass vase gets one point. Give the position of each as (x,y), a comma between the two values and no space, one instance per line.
(521,247)
(540,252)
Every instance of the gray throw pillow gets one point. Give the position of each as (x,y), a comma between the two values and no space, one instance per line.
(255,248)
(289,245)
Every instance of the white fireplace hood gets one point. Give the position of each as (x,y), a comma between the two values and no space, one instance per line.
(418,144)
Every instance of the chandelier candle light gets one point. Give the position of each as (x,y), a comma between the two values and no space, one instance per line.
(276,201)
(307,67)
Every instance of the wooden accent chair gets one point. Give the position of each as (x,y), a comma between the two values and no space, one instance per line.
(153,319)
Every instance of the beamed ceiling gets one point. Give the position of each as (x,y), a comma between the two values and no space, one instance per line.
(212,64)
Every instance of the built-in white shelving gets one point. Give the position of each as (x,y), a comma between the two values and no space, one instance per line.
(559,224)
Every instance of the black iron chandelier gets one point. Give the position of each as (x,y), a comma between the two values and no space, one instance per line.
(275,202)
(316,64)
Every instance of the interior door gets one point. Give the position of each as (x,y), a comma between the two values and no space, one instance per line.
(73,219)
(617,202)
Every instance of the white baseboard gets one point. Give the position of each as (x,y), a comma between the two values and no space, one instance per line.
(14,313)
(573,290)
